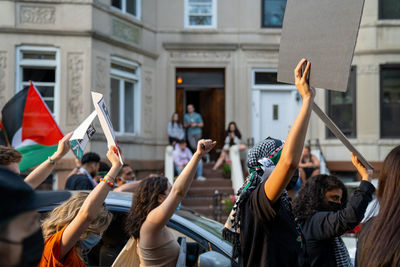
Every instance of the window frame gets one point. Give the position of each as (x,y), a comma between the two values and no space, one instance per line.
(354,106)
(123,9)
(213,17)
(380,12)
(263,18)
(122,76)
(381,67)
(20,63)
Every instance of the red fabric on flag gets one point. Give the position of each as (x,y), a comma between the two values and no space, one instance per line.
(38,123)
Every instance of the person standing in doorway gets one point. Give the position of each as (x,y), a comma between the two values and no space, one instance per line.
(193,122)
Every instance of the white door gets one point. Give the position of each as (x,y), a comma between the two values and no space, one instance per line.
(273,113)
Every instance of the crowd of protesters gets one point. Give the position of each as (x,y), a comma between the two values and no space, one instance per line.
(266,227)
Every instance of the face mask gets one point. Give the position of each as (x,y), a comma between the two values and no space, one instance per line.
(129,181)
(334,206)
(32,249)
(91,241)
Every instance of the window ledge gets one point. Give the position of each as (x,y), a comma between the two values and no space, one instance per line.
(358,142)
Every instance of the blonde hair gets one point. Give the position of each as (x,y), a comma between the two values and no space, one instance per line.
(65,213)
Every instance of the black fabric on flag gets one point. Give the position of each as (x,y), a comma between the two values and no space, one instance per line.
(13,113)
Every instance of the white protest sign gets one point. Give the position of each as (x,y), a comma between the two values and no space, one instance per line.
(82,135)
(105,121)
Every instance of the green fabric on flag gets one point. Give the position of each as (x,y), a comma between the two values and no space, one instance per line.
(34,155)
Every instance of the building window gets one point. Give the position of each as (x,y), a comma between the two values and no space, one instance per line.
(131,7)
(390,101)
(125,96)
(389,9)
(41,66)
(342,108)
(272,13)
(200,13)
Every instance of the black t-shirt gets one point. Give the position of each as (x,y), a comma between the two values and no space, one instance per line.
(268,233)
(79,182)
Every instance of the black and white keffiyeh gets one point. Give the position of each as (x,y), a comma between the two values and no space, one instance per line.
(341,254)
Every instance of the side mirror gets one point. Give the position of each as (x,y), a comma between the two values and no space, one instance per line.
(213,259)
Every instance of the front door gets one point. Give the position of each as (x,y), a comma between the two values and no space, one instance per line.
(204,88)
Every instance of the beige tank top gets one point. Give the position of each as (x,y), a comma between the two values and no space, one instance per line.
(163,256)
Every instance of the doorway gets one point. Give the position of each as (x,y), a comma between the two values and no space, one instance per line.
(205,89)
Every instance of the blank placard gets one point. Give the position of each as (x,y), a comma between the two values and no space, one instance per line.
(324,32)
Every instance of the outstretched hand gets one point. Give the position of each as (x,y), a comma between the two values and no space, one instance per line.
(366,175)
(301,80)
(63,147)
(204,146)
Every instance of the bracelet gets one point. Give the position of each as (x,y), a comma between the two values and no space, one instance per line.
(109,182)
(51,160)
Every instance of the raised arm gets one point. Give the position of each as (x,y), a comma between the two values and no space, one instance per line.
(159,217)
(40,173)
(90,207)
(128,187)
(293,147)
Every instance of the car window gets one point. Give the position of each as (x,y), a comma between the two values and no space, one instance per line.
(213,227)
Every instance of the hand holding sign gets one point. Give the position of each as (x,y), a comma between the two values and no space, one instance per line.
(63,148)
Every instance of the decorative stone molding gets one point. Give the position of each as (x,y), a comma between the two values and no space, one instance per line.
(74,87)
(367,69)
(189,55)
(3,69)
(262,55)
(148,102)
(37,14)
(101,75)
(126,32)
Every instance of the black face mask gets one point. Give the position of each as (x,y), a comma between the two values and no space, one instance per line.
(334,206)
(32,249)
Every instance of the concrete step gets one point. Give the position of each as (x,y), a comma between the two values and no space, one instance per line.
(214,174)
(207,191)
(212,183)
(197,201)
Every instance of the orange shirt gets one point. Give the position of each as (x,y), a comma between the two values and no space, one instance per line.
(51,253)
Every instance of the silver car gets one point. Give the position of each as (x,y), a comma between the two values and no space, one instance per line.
(205,246)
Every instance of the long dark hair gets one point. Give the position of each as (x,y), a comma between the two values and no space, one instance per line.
(237,132)
(381,246)
(172,119)
(311,197)
(145,200)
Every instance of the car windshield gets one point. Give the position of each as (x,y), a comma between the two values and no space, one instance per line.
(213,227)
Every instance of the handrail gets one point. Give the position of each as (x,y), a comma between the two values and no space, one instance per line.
(236,168)
(169,164)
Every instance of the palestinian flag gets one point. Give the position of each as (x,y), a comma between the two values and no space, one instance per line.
(30,127)
(3,140)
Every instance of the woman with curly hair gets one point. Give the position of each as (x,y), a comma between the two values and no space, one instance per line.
(77,225)
(378,244)
(154,203)
(322,210)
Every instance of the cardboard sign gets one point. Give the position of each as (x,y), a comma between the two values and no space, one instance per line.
(323,32)
(339,134)
(82,135)
(105,121)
